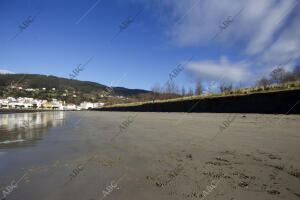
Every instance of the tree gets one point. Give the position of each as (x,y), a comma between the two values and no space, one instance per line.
(263,82)
(296,72)
(289,77)
(183,91)
(225,87)
(190,93)
(168,87)
(171,87)
(155,92)
(277,75)
(211,86)
(199,88)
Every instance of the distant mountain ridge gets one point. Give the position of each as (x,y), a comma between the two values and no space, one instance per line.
(49,82)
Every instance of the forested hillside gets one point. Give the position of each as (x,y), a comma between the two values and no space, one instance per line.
(69,90)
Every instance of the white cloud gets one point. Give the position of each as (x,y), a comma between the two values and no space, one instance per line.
(194,22)
(287,45)
(3,71)
(223,70)
(269,26)
(269,30)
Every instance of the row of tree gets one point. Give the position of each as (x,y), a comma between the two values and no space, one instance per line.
(279,75)
(171,90)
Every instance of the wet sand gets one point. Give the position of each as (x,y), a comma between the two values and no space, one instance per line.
(158,156)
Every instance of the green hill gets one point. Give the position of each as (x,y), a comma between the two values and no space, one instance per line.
(84,90)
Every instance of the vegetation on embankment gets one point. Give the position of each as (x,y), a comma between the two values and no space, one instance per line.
(273,99)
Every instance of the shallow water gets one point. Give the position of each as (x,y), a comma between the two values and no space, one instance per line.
(21,129)
(44,148)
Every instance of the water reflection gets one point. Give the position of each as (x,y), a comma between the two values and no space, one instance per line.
(21,129)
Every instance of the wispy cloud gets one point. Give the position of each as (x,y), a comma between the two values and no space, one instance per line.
(211,70)
(269,30)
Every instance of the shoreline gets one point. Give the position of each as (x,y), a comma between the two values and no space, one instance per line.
(12,111)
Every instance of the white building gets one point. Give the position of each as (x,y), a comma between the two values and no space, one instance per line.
(57,105)
(28,105)
(3,103)
(70,106)
(78,108)
(86,105)
(37,103)
(98,104)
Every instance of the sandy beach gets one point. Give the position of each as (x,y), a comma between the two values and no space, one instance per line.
(158,156)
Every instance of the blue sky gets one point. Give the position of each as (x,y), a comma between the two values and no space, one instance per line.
(264,35)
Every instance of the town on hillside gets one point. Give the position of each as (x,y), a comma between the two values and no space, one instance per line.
(10,102)
(31,103)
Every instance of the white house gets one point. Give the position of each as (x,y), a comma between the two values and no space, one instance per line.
(36,103)
(57,105)
(29,89)
(70,106)
(3,103)
(11,99)
(78,108)
(86,105)
(28,105)
(14,104)
(98,104)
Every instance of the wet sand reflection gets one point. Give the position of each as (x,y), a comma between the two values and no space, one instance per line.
(19,129)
